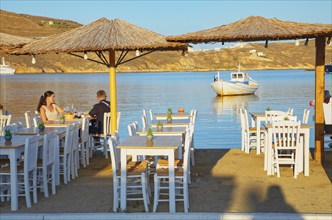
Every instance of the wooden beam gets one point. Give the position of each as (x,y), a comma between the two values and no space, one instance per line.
(319,99)
(113,90)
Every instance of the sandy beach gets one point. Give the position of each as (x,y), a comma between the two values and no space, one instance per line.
(222,181)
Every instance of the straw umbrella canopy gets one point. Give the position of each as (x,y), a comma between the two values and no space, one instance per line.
(103,36)
(10,41)
(255,28)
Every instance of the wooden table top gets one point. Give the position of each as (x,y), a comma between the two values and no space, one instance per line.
(174,122)
(35,131)
(174,115)
(56,123)
(159,142)
(166,130)
(17,141)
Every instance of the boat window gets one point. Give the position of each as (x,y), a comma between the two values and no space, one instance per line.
(234,76)
(240,76)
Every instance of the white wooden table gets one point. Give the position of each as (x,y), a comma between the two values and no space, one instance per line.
(178,115)
(160,146)
(57,124)
(13,150)
(175,123)
(304,150)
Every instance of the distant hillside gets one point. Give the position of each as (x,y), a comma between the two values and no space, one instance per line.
(33,26)
(276,56)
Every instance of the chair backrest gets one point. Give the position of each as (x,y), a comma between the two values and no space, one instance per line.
(186,156)
(246,120)
(85,130)
(284,118)
(76,136)
(305,117)
(4,120)
(241,111)
(290,111)
(144,122)
(112,145)
(36,120)
(28,119)
(69,139)
(50,146)
(151,114)
(131,130)
(135,124)
(269,115)
(107,123)
(327,108)
(195,115)
(116,136)
(118,117)
(31,153)
(144,112)
(286,134)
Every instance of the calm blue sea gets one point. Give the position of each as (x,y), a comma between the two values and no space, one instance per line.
(218,124)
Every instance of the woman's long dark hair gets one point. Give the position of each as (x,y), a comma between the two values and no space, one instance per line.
(42,100)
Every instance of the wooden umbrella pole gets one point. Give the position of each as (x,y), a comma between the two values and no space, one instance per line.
(319,99)
(113,91)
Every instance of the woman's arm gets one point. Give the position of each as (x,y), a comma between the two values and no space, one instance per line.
(60,110)
(42,114)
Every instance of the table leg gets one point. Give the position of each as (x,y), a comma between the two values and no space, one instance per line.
(258,136)
(269,153)
(172,208)
(306,152)
(123,193)
(13,181)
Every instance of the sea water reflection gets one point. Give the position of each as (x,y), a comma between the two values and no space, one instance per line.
(218,124)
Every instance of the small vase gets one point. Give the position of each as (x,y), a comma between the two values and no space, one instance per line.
(149,137)
(62,120)
(160,127)
(169,112)
(41,127)
(8,138)
(169,120)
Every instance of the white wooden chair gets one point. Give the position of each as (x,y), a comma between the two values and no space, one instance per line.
(27,172)
(84,143)
(46,166)
(242,118)
(131,129)
(28,119)
(118,117)
(286,143)
(305,117)
(269,115)
(249,133)
(4,120)
(75,163)
(66,154)
(151,114)
(136,180)
(36,120)
(161,180)
(327,108)
(290,111)
(144,121)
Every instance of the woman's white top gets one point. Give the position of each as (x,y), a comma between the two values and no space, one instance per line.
(51,115)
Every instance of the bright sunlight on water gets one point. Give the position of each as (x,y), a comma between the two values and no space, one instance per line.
(218,124)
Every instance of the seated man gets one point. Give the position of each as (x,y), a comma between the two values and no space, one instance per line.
(97,113)
(327,107)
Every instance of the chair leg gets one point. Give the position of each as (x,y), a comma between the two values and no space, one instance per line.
(105,148)
(45,183)
(53,179)
(34,185)
(115,194)
(27,190)
(156,193)
(144,192)
(185,196)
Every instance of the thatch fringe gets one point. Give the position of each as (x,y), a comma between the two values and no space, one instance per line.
(11,41)
(256,28)
(102,35)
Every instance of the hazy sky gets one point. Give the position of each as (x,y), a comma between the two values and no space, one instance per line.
(174,17)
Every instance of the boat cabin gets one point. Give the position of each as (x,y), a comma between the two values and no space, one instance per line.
(240,77)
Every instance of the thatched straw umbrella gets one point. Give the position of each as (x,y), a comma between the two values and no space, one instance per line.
(257,29)
(11,41)
(102,36)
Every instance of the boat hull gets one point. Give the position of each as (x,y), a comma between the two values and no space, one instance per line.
(223,88)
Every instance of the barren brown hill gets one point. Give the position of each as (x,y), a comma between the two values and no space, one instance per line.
(33,26)
(279,55)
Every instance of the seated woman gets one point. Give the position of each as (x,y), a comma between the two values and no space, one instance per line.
(47,108)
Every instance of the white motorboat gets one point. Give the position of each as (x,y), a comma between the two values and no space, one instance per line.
(6,69)
(240,84)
